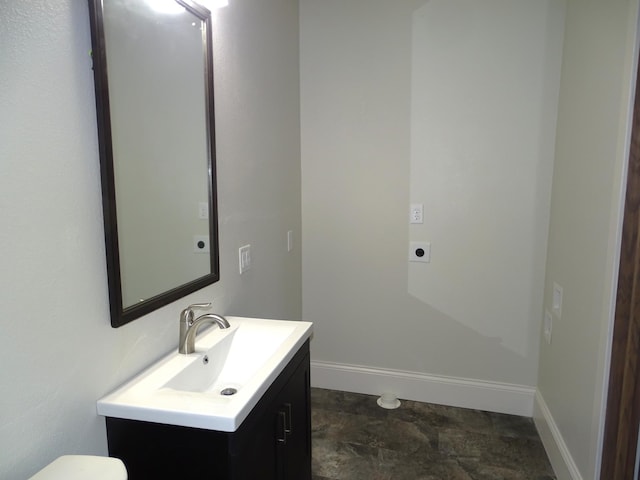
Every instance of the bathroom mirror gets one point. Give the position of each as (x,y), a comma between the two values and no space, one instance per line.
(153,75)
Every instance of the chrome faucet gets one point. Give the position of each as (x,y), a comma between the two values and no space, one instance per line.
(189,327)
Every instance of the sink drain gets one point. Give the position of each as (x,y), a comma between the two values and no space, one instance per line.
(228,391)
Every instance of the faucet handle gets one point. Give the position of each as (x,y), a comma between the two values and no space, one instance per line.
(200,306)
(188,313)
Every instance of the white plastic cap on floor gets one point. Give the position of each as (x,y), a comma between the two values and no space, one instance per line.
(83,467)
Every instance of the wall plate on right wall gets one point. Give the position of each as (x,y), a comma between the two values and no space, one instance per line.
(548,325)
(556,302)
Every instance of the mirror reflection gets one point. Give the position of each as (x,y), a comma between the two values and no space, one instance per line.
(157,150)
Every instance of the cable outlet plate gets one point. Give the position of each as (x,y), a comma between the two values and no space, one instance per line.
(420,252)
(201,243)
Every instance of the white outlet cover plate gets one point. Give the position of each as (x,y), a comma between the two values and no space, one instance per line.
(420,252)
(289,240)
(201,243)
(416,211)
(548,326)
(556,305)
(244,258)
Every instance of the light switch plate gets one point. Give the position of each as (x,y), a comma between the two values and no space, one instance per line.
(244,258)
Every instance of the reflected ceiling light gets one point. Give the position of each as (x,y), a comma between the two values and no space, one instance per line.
(169,7)
(213,4)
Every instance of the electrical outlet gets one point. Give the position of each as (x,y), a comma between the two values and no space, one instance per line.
(416,213)
(201,243)
(548,325)
(289,240)
(203,210)
(556,305)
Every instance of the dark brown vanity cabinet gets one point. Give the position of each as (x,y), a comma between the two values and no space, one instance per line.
(273,442)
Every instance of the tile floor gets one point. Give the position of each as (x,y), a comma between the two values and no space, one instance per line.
(353,439)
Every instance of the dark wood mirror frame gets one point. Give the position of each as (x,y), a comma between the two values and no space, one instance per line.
(120,315)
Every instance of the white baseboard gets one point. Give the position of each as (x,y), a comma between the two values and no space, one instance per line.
(453,391)
(561,460)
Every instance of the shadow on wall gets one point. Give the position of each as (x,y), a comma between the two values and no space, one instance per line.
(477,352)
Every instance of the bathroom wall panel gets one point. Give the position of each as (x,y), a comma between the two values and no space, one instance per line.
(449,104)
(58,351)
(596,96)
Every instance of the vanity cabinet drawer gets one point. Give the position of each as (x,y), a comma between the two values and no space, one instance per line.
(273,443)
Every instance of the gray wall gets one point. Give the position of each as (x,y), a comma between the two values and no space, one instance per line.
(57,349)
(587,200)
(388,120)
(450,104)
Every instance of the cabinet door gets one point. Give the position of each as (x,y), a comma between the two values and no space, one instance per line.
(293,427)
(275,444)
(157,451)
(257,460)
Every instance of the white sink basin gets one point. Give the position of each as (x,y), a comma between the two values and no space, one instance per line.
(186,389)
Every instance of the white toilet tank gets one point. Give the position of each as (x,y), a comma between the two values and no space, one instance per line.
(83,467)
